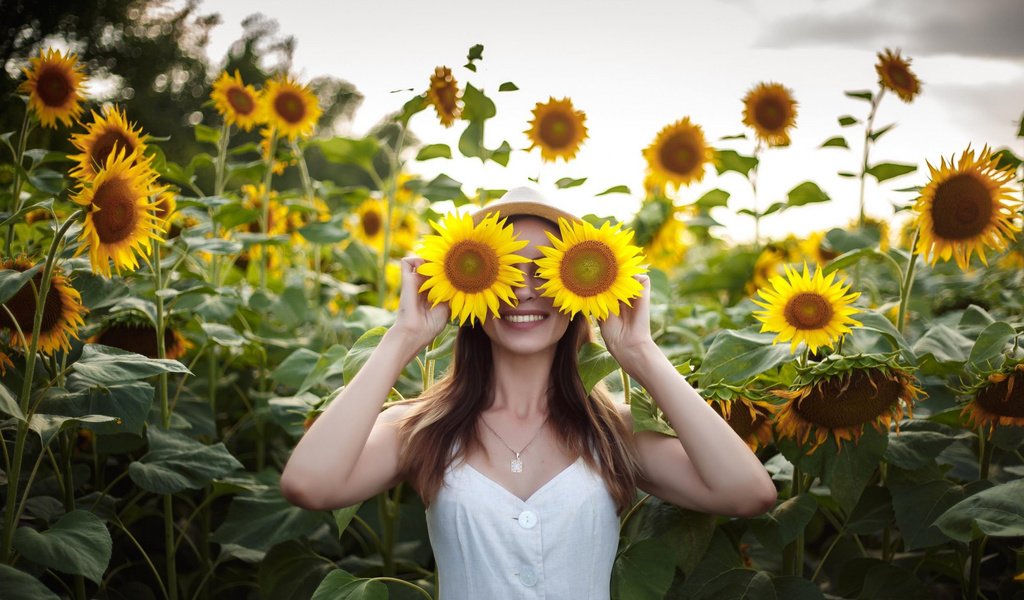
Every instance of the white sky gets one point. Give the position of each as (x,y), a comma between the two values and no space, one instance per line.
(635,67)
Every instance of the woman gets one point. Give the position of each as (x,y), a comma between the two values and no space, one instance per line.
(523,473)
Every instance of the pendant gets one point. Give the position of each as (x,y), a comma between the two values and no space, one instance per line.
(517,464)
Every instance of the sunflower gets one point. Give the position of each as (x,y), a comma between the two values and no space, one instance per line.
(806,308)
(444,95)
(122,217)
(998,400)
(769,263)
(965,207)
(237,102)
(841,395)
(678,154)
(54,86)
(106,134)
(817,249)
(875,226)
(164,207)
(405,231)
(367,223)
(770,110)
(750,419)
(557,129)
(393,283)
(62,310)
(471,266)
(140,337)
(660,232)
(894,74)
(590,270)
(280,221)
(290,108)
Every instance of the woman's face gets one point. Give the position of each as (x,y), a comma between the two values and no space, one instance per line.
(535,324)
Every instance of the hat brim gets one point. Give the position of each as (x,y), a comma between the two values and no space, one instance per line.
(523,208)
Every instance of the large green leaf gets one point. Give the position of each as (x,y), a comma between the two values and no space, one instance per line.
(730,160)
(256,523)
(343,516)
(997,511)
(643,570)
(886,171)
(47,426)
(807,192)
(783,524)
(350,151)
(595,363)
(987,353)
(9,404)
(854,466)
(916,449)
(291,571)
(360,352)
(108,366)
(918,505)
(325,232)
(78,543)
(176,462)
(11,281)
(873,579)
(735,356)
(128,403)
(329,364)
(293,370)
(647,416)
(738,584)
(434,151)
(342,585)
(942,348)
(19,585)
(796,588)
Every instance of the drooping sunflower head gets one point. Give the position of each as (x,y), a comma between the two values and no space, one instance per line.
(750,419)
(471,267)
(770,110)
(678,155)
(590,270)
(54,83)
(289,108)
(106,135)
(966,206)
(139,336)
(558,129)
(894,74)
(122,216)
(804,308)
(237,102)
(444,94)
(839,397)
(5,363)
(998,400)
(63,311)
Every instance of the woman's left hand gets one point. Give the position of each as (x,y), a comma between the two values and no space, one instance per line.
(628,335)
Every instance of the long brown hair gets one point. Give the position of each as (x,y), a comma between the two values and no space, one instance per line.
(441,427)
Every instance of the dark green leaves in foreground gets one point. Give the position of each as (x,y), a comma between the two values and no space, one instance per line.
(997,511)
(78,543)
(176,462)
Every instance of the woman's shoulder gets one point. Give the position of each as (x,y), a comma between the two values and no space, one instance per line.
(625,412)
(397,411)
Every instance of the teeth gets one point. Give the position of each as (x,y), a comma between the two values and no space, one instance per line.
(524,318)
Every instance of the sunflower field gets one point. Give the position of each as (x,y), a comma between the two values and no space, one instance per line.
(169,329)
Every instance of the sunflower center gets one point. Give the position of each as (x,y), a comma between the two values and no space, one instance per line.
(962,208)
(118,214)
(679,155)
(1005,398)
(808,310)
(770,114)
(23,306)
(847,402)
(471,266)
(557,130)
(241,101)
(588,268)
(741,420)
(290,107)
(108,141)
(900,77)
(371,223)
(139,339)
(54,88)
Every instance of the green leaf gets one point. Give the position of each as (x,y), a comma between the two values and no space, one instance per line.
(595,363)
(207,134)
(127,404)
(293,370)
(12,281)
(324,232)
(46,205)
(835,142)
(291,571)
(617,189)
(476,52)
(735,356)
(19,585)
(885,171)
(880,132)
(642,571)
(9,404)
(942,347)
(783,524)
(796,588)
(257,523)
(78,543)
(847,120)
(501,154)
(413,106)
(48,426)
(342,585)
(730,160)
(108,366)
(647,416)
(913,450)
(872,513)
(360,352)
(739,584)
(176,462)
(434,151)
(987,354)
(807,192)
(476,105)
(569,182)
(222,335)
(854,466)
(47,181)
(508,86)
(997,512)
(918,505)
(712,199)
(873,579)
(344,150)
(329,364)
(343,516)
(860,95)
(443,187)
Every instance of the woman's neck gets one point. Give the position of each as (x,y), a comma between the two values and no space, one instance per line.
(521,382)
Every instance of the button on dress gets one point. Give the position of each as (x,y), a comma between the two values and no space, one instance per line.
(559,544)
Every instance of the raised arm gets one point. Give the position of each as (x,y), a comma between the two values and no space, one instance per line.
(351,452)
(709,468)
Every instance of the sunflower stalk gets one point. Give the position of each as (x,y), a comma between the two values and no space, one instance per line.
(977,547)
(868,132)
(307,194)
(19,155)
(752,178)
(268,175)
(390,193)
(907,282)
(26,389)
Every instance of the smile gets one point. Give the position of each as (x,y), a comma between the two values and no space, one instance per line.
(524,318)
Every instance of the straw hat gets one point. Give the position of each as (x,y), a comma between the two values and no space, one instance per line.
(524,201)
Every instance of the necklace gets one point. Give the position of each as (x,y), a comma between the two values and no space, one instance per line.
(517,462)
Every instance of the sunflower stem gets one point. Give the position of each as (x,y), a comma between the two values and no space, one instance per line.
(220,181)
(307,193)
(908,282)
(977,547)
(265,201)
(627,392)
(752,177)
(883,473)
(16,182)
(390,193)
(868,132)
(26,389)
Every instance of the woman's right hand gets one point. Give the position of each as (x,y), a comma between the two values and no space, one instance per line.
(417,321)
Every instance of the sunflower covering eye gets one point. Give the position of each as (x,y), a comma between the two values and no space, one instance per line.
(770,110)
(590,270)
(444,95)
(894,74)
(557,129)
(122,217)
(54,85)
(237,102)
(678,155)
(966,206)
(805,308)
(471,267)
(62,311)
(107,134)
(290,108)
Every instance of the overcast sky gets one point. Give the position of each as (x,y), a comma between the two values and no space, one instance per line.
(637,66)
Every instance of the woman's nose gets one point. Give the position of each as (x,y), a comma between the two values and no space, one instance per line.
(529,290)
